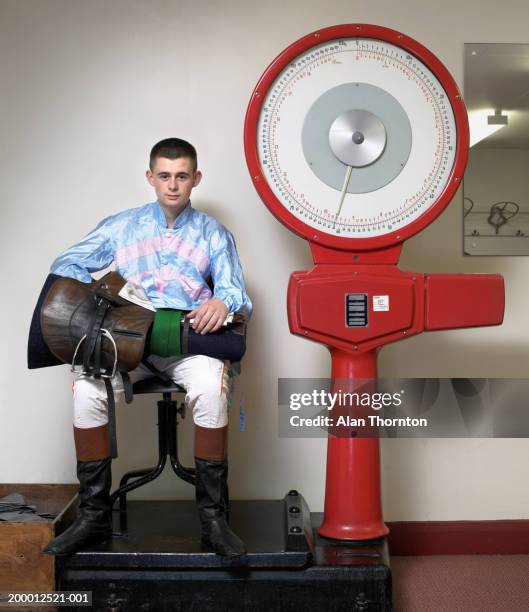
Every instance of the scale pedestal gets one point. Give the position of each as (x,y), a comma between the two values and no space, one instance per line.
(352,512)
(159,565)
(418,302)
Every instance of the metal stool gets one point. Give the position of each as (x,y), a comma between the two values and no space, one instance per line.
(167,444)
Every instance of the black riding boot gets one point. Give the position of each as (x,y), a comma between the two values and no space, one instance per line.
(93,523)
(211,495)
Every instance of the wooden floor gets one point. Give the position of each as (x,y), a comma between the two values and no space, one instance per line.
(461,583)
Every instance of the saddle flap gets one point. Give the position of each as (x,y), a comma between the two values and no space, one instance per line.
(67,316)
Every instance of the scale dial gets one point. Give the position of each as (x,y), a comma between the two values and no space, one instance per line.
(356,137)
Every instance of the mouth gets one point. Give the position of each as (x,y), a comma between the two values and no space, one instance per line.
(173,197)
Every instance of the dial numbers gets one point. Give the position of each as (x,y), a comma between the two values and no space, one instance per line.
(425,172)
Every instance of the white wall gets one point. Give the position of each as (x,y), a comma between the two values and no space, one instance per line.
(86,88)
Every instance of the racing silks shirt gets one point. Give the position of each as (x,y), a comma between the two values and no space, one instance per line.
(173,265)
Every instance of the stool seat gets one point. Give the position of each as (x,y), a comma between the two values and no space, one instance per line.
(156,385)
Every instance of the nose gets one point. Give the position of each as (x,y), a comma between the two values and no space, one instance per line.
(173,184)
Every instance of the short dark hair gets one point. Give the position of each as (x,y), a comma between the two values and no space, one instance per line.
(173,148)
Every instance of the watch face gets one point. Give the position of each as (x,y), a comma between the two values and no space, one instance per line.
(356,138)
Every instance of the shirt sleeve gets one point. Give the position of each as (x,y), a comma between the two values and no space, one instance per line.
(92,253)
(226,273)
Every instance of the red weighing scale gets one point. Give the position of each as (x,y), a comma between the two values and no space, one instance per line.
(356,138)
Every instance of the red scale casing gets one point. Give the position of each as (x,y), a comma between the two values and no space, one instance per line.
(367,267)
(416,302)
(316,306)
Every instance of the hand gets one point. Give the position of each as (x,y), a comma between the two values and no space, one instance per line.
(209,316)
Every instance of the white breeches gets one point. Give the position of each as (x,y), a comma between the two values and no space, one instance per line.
(205,379)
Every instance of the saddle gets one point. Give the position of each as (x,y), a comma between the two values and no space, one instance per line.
(92,327)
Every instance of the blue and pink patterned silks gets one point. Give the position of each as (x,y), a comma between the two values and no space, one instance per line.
(173,265)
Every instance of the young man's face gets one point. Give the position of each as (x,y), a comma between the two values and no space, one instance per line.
(173,180)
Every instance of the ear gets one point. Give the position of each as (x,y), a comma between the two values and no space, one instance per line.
(150,177)
(198,178)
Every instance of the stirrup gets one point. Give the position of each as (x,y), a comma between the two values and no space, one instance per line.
(81,370)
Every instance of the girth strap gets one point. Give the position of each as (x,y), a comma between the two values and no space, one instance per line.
(127,387)
(111,418)
(185,336)
(165,333)
(92,345)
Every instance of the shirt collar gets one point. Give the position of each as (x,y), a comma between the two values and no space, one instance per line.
(181,220)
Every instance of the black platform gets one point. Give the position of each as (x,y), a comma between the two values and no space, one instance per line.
(159,565)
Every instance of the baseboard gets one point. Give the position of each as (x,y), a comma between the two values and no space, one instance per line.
(502,537)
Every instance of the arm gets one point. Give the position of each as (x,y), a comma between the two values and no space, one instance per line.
(92,253)
(228,282)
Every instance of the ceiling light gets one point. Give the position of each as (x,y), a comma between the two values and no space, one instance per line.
(497,118)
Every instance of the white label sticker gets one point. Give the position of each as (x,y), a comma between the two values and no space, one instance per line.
(381,303)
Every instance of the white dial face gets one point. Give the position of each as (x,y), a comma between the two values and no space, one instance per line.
(394,116)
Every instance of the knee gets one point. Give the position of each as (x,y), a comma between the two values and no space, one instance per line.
(211,388)
(208,396)
(89,403)
(207,378)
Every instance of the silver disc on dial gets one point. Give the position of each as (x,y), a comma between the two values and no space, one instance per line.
(357,138)
(337,101)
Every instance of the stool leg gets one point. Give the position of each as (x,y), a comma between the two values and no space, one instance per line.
(185,473)
(145,475)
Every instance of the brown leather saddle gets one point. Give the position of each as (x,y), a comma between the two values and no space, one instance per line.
(91,327)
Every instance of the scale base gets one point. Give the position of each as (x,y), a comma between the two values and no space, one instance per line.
(159,565)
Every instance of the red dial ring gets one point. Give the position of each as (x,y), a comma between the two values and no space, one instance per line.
(254,110)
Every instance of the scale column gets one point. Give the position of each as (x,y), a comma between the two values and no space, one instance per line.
(353,507)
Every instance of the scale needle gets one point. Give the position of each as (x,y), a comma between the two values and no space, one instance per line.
(344,190)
